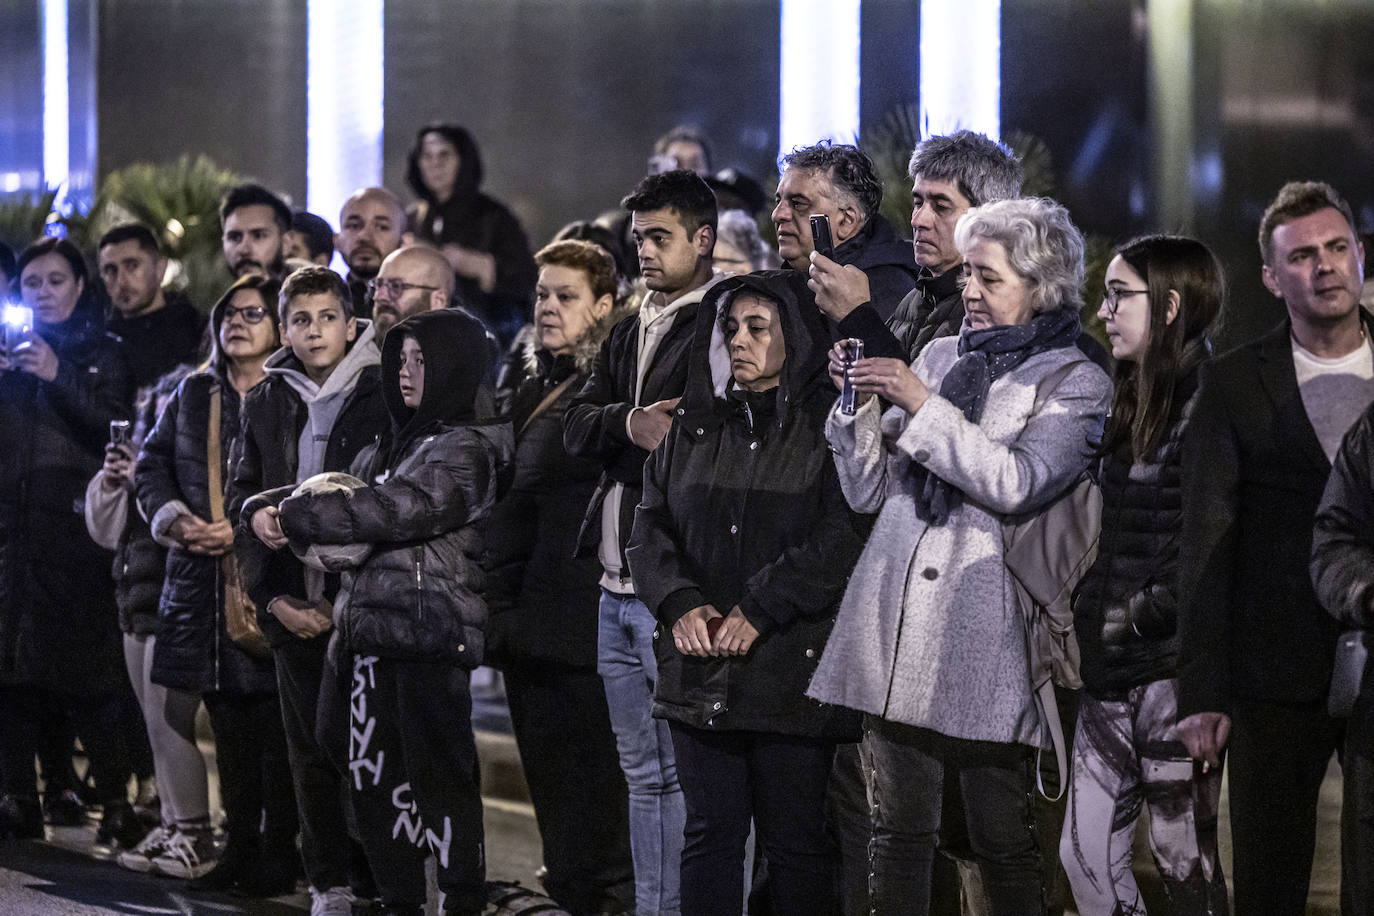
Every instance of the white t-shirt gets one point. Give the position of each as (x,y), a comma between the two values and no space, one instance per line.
(1335,391)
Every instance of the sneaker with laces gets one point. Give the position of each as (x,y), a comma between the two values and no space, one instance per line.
(334,901)
(187,855)
(140,858)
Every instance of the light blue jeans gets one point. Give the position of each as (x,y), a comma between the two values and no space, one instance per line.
(625,660)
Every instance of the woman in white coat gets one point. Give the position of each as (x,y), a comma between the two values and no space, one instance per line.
(929,643)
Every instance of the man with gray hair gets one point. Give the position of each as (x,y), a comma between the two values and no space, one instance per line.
(949,174)
(838,180)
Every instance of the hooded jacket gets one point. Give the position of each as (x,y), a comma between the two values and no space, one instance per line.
(57,613)
(335,421)
(742,506)
(473,220)
(193,650)
(885,258)
(432,482)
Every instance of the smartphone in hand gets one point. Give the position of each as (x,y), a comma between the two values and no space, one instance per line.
(854,351)
(821,239)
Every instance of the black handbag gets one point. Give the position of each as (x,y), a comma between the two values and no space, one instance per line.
(1352,657)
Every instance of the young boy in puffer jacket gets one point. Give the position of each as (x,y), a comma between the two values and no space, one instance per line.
(410,618)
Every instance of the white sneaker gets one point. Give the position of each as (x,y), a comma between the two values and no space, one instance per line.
(187,855)
(335,901)
(140,858)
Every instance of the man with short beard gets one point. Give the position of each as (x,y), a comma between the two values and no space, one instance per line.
(413,279)
(370,227)
(254,222)
(158,329)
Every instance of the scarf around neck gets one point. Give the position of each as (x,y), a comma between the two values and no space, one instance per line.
(985,355)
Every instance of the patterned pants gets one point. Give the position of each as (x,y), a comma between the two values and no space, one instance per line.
(1126,751)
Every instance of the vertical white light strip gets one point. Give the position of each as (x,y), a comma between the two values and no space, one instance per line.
(56,98)
(343,101)
(819,78)
(961,66)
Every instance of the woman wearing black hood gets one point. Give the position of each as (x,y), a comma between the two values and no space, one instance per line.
(61,383)
(482,240)
(742,546)
(410,618)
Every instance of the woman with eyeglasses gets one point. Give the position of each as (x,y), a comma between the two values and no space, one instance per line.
(194,656)
(1163,296)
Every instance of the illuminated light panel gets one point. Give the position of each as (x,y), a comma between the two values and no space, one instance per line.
(819,78)
(961,66)
(344,101)
(56,98)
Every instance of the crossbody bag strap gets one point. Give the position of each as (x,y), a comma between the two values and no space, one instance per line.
(212,458)
(545,404)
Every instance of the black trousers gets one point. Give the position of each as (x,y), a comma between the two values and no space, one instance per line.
(1357,812)
(572,768)
(27,716)
(254,773)
(1276,761)
(315,777)
(414,780)
(778,781)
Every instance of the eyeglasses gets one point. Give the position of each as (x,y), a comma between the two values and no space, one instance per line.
(393,287)
(1113,296)
(251,314)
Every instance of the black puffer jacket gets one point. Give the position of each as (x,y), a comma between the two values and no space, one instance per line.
(58,626)
(1126,606)
(742,506)
(543,599)
(266,470)
(193,650)
(433,481)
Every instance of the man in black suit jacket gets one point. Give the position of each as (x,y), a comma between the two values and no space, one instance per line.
(1256,647)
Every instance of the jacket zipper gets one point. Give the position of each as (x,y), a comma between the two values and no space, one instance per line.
(419,583)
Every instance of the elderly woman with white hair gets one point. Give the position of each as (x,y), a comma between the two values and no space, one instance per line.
(991,424)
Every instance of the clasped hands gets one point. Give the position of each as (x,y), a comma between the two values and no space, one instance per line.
(692,636)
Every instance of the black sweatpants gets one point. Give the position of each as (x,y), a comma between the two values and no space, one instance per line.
(315,777)
(254,774)
(414,780)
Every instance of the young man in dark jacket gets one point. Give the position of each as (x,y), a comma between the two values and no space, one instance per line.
(620,415)
(411,617)
(319,405)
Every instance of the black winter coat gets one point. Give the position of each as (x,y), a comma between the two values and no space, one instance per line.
(886,258)
(543,600)
(594,425)
(742,506)
(1126,606)
(193,650)
(273,417)
(1343,542)
(58,624)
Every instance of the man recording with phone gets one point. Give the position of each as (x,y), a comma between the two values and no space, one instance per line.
(838,181)
(950,174)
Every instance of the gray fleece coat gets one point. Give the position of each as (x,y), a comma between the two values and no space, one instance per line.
(928,633)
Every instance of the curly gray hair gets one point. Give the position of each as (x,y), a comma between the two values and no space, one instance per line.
(1043,246)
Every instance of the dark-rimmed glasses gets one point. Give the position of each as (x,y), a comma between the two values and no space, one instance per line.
(251,314)
(1113,296)
(394,288)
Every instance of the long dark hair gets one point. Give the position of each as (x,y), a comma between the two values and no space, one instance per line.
(1145,388)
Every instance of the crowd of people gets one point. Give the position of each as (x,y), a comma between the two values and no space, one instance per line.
(745,530)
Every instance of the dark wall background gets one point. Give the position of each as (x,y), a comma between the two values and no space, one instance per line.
(21,102)
(189,76)
(565,99)
(566,96)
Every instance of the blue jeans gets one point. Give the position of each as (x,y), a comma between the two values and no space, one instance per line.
(625,660)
